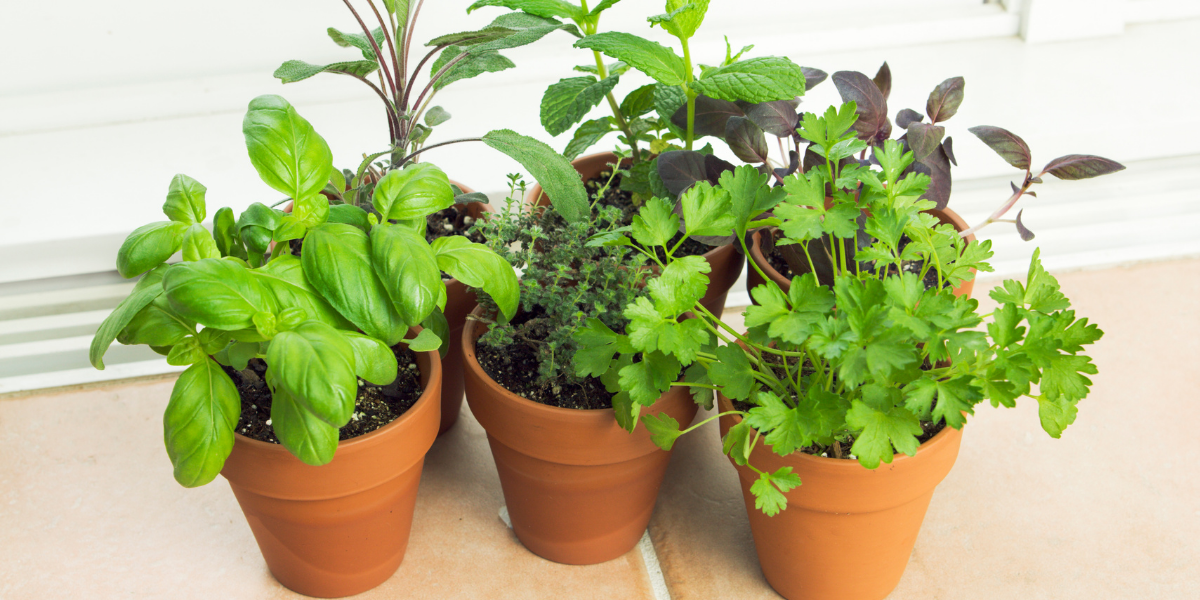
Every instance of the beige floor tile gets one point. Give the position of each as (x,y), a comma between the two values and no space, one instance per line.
(88,509)
(1108,511)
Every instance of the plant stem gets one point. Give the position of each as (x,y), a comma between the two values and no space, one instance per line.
(379,55)
(691,96)
(1004,208)
(622,124)
(437,145)
(387,36)
(412,26)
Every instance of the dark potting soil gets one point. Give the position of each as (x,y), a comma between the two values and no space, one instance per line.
(451,221)
(779,263)
(515,368)
(376,405)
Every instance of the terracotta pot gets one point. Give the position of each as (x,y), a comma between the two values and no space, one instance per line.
(459,303)
(579,489)
(848,531)
(342,528)
(753,279)
(726,261)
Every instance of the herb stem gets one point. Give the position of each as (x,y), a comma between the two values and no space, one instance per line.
(691,96)
(387,36)
(437,145)
(379,56)
(602,71)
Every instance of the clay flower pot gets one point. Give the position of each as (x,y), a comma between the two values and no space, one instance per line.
(459,303)
(726,261)
(753,279)
(342,528)
(848,531)
(579,489)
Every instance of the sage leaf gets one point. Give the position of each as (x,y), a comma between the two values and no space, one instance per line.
(298,70)
(474,65)
(555,174)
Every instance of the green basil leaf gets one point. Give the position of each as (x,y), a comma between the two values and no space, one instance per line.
(285,149)
(216,293)
(314,364)
(426,341)
(225,232)
(144,292)
(199,422)
(350,215)
(477,266)
(308,438)
(149,246)
(185,200)
(551,169)
(337,263)
(437,323)
(283,278)
(186,352)
(373,360)
(409,271)
(417,190)
(156,325)
(199,244)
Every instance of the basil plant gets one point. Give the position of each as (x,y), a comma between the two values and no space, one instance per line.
(320,320)
(857,360)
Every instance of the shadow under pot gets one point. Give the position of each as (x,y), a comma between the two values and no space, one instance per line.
(726,261)
(847,532)
(753,279)
(579,489)
(342,528)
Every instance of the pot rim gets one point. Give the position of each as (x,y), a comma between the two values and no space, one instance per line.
(941,438)
(435,373)
(756,253)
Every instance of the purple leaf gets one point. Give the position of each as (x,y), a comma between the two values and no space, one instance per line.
(1007,144)
(680,169)
(944,100)
(777,118)
(948,146)
(1081,166)
(793,165)
(711,115)
(812,77)
(937,167)
(1015,189)
(872,106)
(746,140)
(924,138)
(906,116)
(883,80)
(1026,234)
(714,167)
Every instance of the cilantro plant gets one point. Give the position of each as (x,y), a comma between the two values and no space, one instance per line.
(859,364)
(680,106)
(565,281)
(387,55)
(319,320)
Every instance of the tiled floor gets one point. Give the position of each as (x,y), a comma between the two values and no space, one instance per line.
(88,508)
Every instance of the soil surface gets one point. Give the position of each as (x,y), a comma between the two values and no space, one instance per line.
(451,221)
(515,368)
(375,406)
(613,196)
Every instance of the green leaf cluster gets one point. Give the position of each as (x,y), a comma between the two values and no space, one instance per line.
(321,318)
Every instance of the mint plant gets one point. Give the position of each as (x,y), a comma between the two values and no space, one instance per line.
(387,55)
(863,364)
(320,320)
(680,106)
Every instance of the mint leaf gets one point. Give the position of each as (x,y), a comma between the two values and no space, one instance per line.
(586,135)
(568,101)
(756,80)
(683,17)
(653,59)
(540,8)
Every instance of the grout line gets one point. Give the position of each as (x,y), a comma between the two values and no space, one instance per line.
(654,572)
(653,569)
